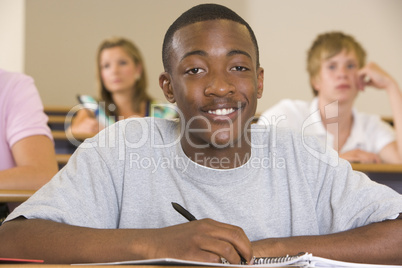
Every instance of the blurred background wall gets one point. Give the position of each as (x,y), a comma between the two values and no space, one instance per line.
(55,41)
(12,35)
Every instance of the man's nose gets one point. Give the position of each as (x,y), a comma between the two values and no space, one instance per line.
(219,86)
(342,71)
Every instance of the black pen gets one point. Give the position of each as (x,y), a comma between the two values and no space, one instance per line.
(183,212)
(190,217)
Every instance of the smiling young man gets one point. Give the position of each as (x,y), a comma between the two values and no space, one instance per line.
(215,82)
(112,201)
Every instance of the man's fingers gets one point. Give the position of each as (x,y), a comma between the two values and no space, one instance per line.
(205,256)
(236,237)
(221,249)
(202,240)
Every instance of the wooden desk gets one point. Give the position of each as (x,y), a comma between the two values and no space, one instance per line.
(99,266)
(57,119)
(15,195)
(62,135)
(62,159)
(388,119)
(380,168)
(67,144)
(57,110)
(59,122)
(131,266)
(387,174)
(88,266)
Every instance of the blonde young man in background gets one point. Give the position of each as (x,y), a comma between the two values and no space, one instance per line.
(337,70)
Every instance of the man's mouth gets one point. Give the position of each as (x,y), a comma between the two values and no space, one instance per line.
(343,86)
(224,111)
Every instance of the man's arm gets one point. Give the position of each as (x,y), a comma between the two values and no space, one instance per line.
(379,243)
(392,153)
(35,164)
(202,240)
(360,156)
(378,78)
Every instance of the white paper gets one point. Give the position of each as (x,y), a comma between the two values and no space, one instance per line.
(306,260)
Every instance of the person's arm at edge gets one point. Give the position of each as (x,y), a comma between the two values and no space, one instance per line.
(61,243)
(35,164)
(377,243)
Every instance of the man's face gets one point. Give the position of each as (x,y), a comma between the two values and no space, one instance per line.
(338,78)
(214,81)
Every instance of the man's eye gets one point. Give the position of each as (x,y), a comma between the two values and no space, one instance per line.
(194,71)
(239,68)
(351,66)
(331,67)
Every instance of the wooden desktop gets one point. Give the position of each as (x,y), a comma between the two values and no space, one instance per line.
(99,266)
(15,195)
(383,168)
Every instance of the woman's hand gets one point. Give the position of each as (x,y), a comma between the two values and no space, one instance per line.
(88,126)
(84,124)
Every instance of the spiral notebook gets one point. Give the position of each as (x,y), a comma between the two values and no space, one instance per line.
(300,260)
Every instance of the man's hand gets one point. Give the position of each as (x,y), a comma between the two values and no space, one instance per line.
(203,240)
(360,156)
(373,75)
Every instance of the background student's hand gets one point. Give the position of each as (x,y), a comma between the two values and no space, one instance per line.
(88,126)
(202,240)
(373,75)
(360,156)
(84,124)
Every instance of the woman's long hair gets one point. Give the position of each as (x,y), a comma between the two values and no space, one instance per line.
(140,94)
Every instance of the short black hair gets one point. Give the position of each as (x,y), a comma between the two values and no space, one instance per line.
(200,13)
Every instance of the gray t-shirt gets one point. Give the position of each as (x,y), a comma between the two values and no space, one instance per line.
(128,175)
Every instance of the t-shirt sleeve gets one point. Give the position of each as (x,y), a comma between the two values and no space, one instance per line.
(25,112)
(336,198)
(347,199)
(83,193)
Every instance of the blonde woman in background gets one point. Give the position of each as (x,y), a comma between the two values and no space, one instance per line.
(338,72)
(123,84)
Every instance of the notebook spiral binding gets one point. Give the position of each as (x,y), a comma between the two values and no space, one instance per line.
(273,260)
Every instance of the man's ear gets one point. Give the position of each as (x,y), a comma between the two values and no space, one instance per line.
(166,86)
(315,83)
(260,82)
